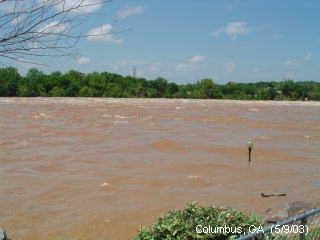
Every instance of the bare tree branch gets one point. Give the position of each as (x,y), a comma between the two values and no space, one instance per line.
(41,27)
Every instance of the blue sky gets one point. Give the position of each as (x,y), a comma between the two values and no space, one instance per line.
(187,40)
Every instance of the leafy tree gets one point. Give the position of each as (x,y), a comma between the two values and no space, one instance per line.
(159,85)
(57,92)
(86,92)
(9,78)
(171,90)
(35,83)
(74,83)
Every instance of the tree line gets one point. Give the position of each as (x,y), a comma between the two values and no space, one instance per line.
(76,84)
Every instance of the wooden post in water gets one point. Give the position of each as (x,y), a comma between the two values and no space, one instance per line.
(250,147)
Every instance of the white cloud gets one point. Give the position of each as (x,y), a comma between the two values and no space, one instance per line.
(236,28)
(257,70)
(291,63)
(295,63)
(153,67)
(230,67)
(190,64)
(290,75)
(130,11)
(197,59)
(83,60)
(54,27)
(103,33)
(182,67)
(232,29)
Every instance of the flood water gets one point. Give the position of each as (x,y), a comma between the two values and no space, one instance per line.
(78,168)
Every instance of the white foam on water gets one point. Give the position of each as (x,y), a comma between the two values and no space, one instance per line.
(105,184)
(254,110)
(106,115)
(121,117)
(193,177)
(117,122)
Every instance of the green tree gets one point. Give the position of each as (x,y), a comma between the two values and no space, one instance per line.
(171,90)
(9,79)
(57,92)
(86,92)
(35,83)
(74,83)
(159,85)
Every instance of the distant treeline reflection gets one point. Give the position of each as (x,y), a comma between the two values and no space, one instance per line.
(76,84)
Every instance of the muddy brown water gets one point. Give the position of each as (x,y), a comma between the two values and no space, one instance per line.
(78,168)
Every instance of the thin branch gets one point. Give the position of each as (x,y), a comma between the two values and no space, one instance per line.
(37,28)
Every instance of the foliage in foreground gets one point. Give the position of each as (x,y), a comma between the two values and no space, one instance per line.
(104,84)
(182,224)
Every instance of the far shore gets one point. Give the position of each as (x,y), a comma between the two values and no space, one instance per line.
(82,100)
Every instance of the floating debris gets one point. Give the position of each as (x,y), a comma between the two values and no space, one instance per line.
(273,195)
(254,110)
(193,177)
(105,184)
(40,115)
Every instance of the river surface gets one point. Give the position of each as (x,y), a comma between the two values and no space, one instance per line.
(78,168)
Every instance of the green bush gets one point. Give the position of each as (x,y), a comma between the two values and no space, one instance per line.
(182,224)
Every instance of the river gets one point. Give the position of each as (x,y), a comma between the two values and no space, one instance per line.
(85,168)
